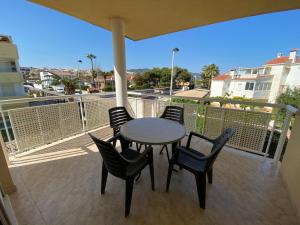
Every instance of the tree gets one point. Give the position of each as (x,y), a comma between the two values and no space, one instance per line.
(105,75)
(92,57)
(290,97)
(209,72)
(70,85)
(182,75)
(140,82)
(56,80)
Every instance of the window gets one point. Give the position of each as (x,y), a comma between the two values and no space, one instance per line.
(249,86)
(268,70)
(248,71)
(7,90)
(259,86)
(8,66)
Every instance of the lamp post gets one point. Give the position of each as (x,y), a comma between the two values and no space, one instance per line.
(79,62)
(172,70)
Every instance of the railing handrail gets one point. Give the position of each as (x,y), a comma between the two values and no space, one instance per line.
(223,101)
(231,101)
(24,100)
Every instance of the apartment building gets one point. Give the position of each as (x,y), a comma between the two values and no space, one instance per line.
(11,79)
(263,83)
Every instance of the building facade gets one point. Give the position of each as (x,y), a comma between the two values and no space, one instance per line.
(263,83)
(11,79)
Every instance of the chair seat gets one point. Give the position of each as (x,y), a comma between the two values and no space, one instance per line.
(133,168)
(189,159)
(130,154)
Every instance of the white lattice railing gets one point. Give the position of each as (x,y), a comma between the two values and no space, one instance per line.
(41,121)
(37,122)
(255,125)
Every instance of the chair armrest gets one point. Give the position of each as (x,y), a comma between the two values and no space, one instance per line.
(141,156)
(199,136)
(187,152)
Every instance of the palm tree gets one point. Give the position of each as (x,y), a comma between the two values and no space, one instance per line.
(70,85)
(92,57)
(209,72)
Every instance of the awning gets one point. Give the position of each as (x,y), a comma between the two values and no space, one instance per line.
(149,18)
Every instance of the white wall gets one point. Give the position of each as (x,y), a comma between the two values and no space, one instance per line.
(217,88)
(277,72)
(293,77)
(46,78)
(237,89)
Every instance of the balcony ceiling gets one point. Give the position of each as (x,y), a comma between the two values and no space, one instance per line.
(150,18)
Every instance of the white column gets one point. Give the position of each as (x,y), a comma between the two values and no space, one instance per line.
(119,61)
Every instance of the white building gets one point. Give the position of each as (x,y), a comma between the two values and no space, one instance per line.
(11,79)
(46,78)
(264,83)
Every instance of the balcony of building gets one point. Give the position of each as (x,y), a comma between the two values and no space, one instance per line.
(56,167)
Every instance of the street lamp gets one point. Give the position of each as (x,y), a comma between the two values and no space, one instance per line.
(79,62)
(172,70)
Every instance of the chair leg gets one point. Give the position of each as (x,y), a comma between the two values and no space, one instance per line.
(170,170)
(168,155)
(210,175)
(152,172)
(201,189)
(128,196)
(114,143)
(162,149)
(103,178)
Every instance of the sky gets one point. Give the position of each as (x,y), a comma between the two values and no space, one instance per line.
(47,38)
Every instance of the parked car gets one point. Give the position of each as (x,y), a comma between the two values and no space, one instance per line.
(60,90)
(78,92)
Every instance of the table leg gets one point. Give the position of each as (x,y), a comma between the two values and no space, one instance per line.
(174,145)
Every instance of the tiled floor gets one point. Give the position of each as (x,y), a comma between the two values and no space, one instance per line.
(62,187)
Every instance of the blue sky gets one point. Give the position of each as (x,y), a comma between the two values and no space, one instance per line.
(48,38)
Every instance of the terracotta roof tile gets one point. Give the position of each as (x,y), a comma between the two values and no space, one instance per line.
(282,59)
(221,77)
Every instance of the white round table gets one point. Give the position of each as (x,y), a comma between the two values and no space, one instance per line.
(153,131)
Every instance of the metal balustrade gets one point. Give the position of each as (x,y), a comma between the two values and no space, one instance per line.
(252,123)
(30,126)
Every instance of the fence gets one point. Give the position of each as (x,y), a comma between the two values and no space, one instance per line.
(255,123)
(42,121)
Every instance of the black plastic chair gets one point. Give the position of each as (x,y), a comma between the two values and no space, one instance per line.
(197,163)
(174,113)
(117,117)
(125,165)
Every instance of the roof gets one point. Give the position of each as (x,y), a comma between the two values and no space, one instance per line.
(281,60)
(221,77)
(197,93)
(149,18)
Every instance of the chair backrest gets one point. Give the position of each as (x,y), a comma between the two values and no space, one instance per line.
(218,145)
(117,117)
(174,113)
(114,162)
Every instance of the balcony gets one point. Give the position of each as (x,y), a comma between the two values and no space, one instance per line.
(57,169)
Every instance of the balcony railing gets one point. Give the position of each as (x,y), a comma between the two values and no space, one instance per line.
(41,121)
